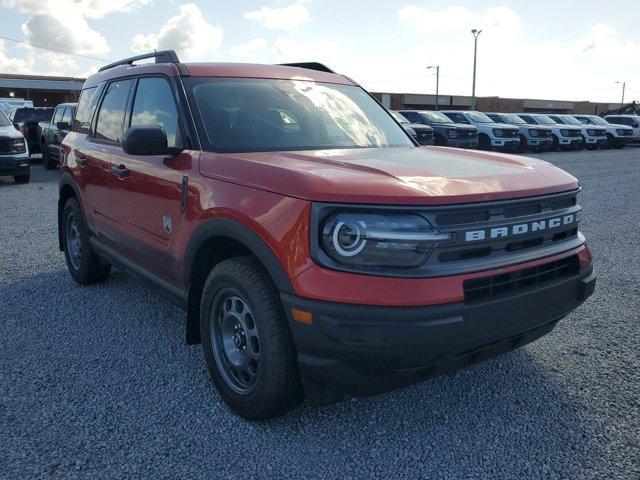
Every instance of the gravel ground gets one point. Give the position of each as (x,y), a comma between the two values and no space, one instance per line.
(97,381)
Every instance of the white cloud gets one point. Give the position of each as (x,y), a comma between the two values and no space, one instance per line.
(86,8)
(283,18)
(459,18)
(249,49)
(70,34)
(11,64)
(188,33)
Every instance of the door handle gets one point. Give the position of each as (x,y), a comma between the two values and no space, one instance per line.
(121,171)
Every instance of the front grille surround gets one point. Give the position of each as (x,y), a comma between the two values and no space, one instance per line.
(460,255)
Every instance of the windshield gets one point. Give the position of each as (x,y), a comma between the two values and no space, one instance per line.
(33,114)
(544,120)
(478,117)
(398,117)
(4,121)
(513,119)
(569,120)
(436,117)
(253,115)
(597,120)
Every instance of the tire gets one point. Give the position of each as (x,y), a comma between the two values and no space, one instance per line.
(611,141)
(84,265)
(47,161)
(555,145)
(22,178)
(583,145)
(484,142)
(246,342)
(523,145)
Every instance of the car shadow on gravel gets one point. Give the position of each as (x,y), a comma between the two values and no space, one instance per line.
(88,361)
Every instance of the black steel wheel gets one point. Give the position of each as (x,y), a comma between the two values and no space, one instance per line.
(246,340)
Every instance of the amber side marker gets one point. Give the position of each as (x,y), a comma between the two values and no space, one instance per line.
(301,316)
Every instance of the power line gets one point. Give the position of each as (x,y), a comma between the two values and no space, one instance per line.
(55,49)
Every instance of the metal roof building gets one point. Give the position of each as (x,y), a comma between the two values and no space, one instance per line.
(44,91)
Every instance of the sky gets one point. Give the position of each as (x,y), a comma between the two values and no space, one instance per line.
(562,49)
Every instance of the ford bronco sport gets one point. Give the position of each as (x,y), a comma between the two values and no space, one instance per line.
(315,247)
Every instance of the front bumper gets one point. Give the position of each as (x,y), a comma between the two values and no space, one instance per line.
(569,141)
(10,166)
(539,142)
(597,141)
(369,349)
(505,143)
(468,143)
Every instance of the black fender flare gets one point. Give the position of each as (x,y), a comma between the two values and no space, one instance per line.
(66,180)
(225,227)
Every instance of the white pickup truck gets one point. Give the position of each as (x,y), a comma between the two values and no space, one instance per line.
(565,137)
(592,136)
(491,135)
(532,137)
(617,135)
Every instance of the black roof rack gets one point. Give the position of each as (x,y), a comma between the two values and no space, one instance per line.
(163,56)
(310,65)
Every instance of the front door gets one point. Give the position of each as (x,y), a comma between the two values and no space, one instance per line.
(145,191)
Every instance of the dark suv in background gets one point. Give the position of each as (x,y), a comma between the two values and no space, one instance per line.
(446,133)
(26,119)
(423,134)
(53,132)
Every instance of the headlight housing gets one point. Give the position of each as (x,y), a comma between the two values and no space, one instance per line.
(18,145)
(533,132)
(564,133)
(452,133)
(621,131)
(370,241)
(498,132)
(591,132)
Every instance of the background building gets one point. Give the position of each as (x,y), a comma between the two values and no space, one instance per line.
(398,101)
(45,91)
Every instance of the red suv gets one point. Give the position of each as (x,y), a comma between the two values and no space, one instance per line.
(315,247)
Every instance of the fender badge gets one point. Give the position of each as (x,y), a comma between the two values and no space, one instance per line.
(166,223)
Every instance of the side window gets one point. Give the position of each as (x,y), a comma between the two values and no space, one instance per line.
(154,105)
(57,117)
(86,108)
(411,116)
(528,119)
(66,117)
(111,113)
(457,117)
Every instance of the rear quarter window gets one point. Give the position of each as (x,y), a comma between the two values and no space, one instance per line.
(86,108)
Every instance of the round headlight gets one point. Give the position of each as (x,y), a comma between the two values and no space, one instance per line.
(379,240)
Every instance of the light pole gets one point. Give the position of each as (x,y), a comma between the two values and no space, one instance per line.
(624,85)
(437,67)
(475,32)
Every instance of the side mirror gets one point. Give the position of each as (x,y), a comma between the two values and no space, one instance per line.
(63,126)
(145,140)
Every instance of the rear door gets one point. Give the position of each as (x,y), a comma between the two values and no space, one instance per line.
(145,192)
(94,155)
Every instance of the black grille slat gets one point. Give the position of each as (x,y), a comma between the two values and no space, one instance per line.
(488,288)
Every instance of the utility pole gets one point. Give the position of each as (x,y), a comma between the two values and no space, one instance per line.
(475,32)
(437,67)
(624,85)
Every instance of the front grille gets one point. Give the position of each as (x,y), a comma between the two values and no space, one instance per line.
(545,133)
(488,288)
(599,133)
(510,133)
(467,133)
(6,146)
(573,133)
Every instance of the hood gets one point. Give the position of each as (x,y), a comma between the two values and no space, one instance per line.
(616,125)
(505,126)
(400,176)
(9,132)
(419,127)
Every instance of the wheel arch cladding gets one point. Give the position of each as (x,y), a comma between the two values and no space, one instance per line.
(214,241)
(67,190)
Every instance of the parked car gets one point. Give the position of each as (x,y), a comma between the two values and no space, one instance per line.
(532,137)
(14,152)
(52,133)
(446,133)
(9,103)
(423,134)
(324,254)
(617,135)
(26,119)
(565,137)
(632,121)
(592,137)
(491,135)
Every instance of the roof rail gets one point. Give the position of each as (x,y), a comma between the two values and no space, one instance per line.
(310,65)
(163,56)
